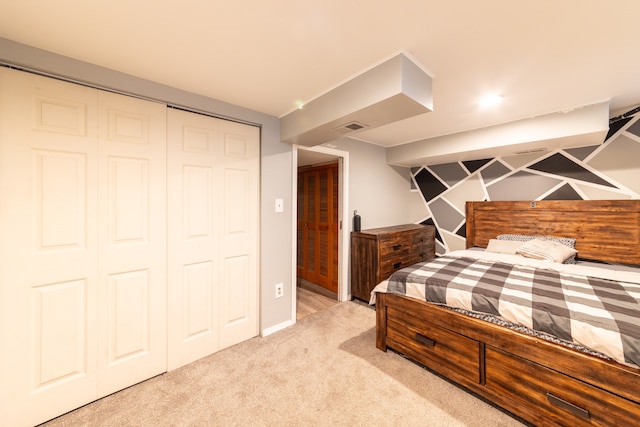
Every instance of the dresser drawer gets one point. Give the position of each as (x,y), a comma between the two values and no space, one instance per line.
(439,349)
(424,250)
(412,240)
(390,264)
(567,402)
(422,238)
(399,251)
(393,244)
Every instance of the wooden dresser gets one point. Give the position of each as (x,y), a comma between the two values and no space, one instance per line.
(378,252)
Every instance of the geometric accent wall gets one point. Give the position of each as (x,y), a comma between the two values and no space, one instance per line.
(607,171)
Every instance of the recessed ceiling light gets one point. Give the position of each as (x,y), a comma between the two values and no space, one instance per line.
(299,105)
(490,100)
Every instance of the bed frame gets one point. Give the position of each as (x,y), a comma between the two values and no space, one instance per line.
(539,381)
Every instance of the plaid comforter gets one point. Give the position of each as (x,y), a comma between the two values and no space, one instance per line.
(595,312)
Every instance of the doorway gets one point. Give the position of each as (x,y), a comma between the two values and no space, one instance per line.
(321,236)
(317,231)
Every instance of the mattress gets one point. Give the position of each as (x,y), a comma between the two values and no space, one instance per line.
(589,306)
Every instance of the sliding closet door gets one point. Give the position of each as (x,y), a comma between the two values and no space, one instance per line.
(239,197)
(48,247)
(132,241)
(127,244)
(193,264)
(82,245)
(213,210)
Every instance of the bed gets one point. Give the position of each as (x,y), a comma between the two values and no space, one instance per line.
(539,371)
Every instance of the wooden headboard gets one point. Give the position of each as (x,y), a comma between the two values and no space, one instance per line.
(606,230)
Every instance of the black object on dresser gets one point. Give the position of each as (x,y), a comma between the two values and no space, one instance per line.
(378,252)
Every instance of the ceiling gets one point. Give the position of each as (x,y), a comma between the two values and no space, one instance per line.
(541,56)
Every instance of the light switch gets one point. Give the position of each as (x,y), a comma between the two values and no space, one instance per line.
(279,205)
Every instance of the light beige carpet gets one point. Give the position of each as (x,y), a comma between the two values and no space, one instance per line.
(323,371)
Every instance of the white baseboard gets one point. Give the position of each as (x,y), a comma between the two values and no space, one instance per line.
(276,328)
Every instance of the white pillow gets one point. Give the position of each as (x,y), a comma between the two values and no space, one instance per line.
(567,241)
(546,250)
(503,246)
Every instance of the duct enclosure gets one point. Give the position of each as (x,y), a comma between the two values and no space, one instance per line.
(583,126)
(389,92)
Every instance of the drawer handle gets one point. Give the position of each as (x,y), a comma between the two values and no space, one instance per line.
(563,404)
(396,247)
(397,265)
(424,340)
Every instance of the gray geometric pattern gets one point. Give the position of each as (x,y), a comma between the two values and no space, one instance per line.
(634,128)
(566,192)
(494,171)
(620,160)
(581,153)
(610,170)
(448,218)
(428,184)
(468,189)
(521,186)
(451,173)
(519,160)
(617,125)
(560,165)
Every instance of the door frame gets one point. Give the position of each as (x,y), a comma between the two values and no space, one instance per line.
(343,224)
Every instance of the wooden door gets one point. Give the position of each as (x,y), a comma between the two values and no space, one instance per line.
(48,247)
(317,257)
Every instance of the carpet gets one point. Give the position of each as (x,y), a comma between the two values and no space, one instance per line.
(323,371)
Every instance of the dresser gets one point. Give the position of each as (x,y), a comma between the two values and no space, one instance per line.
(378,252)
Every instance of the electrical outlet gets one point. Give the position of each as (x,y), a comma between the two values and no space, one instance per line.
(279,290)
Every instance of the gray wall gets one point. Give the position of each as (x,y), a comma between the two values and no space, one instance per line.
(276,158)
(379,192)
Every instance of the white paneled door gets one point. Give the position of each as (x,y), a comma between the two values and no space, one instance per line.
(213,210)
(239,200)
(48,247)
(132,251)
(82,245)
(194,252)
(128,242)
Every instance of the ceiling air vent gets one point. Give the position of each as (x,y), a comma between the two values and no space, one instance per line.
(350,127)
(354,126)
(533,150)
